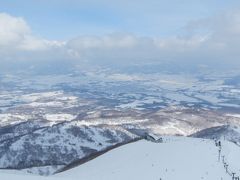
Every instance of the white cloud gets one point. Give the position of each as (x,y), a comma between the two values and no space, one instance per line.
(108,41)
(214,39)
(13,29)
(16,35)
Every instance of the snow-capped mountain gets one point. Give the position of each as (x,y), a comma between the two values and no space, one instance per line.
(172,158)
(58,145)
(227,132)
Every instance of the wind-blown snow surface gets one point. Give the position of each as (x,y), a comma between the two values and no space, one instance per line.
(14,175)
(176,158)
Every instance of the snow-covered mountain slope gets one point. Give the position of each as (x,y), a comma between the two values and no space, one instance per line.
(58,146)
(175,158)
(16,175)
(227,132)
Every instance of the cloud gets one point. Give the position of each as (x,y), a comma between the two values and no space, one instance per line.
(206,41)
(16,34)
(223,37)
(18,43)
(12,29)
(212,41)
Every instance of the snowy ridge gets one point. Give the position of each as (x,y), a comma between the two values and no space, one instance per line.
(58,145)
(170,160)
(226,132)
(175,158)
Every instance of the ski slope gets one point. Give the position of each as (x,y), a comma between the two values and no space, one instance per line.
(17,175)
(177,158)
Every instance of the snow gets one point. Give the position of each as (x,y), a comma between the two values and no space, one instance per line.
(17,175)
(48,99)
(8,118)
(111,121)
(176,158)
(43,171)
(125,77)
(232,156)
(59,117)
(180,97)
(172,128)
(233,115)
(138,104)
(209,98)
(36,96)
(46,104)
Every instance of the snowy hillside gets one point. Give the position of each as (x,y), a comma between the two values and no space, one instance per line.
(48,149)
(227,132)
(14,175)
(175,158)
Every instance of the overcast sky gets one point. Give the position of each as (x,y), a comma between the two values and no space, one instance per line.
(113,31)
